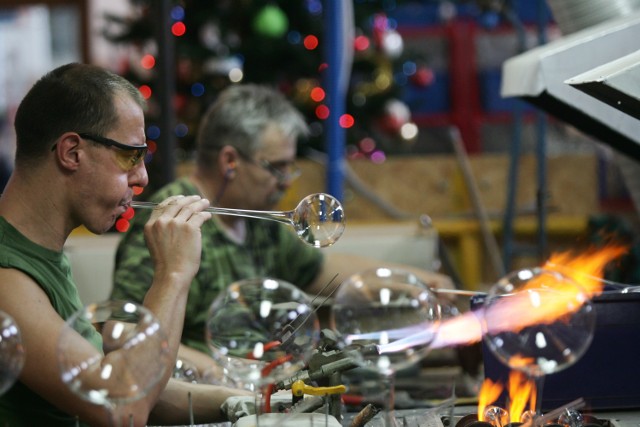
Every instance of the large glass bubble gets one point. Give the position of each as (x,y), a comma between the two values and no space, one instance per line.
(261,331)
(11,352)
(112,353)
(537,321)
(391,317)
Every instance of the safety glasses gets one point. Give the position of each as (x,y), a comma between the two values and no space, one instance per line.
(285,171)
(127,156)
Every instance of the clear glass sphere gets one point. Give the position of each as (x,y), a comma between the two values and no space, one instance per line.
(538,321)
(132,352)
(389,315)
(319,220)
(571,418)
(496,415)
(11,352)
(261,330)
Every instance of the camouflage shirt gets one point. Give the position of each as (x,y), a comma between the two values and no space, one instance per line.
(271,249)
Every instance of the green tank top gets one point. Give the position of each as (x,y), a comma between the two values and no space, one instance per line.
(19,406)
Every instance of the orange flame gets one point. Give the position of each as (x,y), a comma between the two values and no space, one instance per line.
(519,362)
(522,391)
(522,396)
(488,394)
(585,269)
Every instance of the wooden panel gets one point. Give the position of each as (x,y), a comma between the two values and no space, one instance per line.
(434,185)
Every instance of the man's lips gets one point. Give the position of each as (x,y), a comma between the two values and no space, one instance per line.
(125,206)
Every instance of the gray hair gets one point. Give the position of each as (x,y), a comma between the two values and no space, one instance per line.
(239,117)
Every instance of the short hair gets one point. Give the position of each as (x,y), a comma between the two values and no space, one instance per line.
(239,117)
(73,97)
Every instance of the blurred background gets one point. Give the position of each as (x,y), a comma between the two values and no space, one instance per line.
(426,142)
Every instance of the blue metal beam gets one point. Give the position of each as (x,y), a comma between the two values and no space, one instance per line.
(338,53)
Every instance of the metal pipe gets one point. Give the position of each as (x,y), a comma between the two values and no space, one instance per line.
(338,52)
(166,92)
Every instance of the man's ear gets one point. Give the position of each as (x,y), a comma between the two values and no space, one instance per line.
(227,161)
(67,150)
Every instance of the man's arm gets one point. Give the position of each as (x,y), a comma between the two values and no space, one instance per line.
(205,401)
(40,326)
(173,234)
(205,364)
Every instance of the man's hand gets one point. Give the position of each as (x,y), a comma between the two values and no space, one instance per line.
(173,235)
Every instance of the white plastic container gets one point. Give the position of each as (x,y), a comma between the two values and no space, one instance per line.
(312,419)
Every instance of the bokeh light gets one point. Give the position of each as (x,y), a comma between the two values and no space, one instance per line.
(346,121)
(409,131)
(148,61)
(362,43)
(197,89)
(153,132)
(367,145)
(178,29)
(177,13)
(314,7)
(181,130)
(128,214)
(310,42)
(409,68)
(152,146)
(378,157)
(122,225)
(145,90)
(236,75)
(294,37)
(317,94)
(322,112)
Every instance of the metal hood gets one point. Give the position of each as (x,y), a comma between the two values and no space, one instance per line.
(616,83)
(540,77)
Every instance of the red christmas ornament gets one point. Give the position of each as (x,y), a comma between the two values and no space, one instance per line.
(423,77)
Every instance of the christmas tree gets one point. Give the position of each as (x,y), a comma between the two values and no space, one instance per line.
(279,43)
(218,43)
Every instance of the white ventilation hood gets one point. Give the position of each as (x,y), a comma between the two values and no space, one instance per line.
(616,83)
(541,75)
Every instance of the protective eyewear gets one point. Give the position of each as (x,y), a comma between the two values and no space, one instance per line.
(283,171)
(127,156)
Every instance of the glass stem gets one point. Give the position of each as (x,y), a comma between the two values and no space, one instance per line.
(115,417)
(191,417)
(539,383)
(258,405)
(389,412)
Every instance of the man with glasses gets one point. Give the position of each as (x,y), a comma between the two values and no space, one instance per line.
(246,151)
(80,146)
